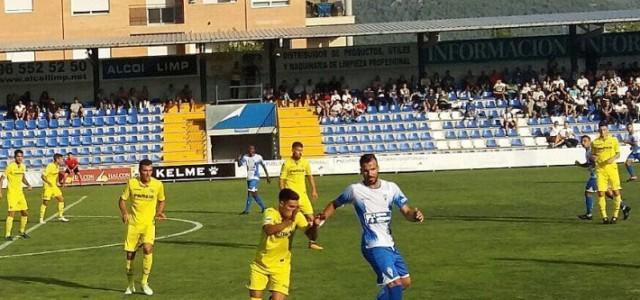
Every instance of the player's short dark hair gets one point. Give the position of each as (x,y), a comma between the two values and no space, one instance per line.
(288,194)
(585,137)
(144,162)
(57,156)
(69,153)
(603,123)
(296,144)
(15,153)
(366,158)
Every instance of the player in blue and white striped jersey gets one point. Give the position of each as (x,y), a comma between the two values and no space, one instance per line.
(253,160)
(373,200)
(633,140)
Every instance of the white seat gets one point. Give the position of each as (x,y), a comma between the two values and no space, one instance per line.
(466,144)
(504,143)
(435,125)
(479,144)
(432,116)
(437,135)
(455,145)
(456,115)
(522,122)
(524,132)
(541,141)
(445,115)
(529,142)
(442,145)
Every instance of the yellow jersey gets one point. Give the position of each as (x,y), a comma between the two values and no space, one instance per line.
(51,174)
(144,199)
(604,149)
(15,174)
(275,250)
(294,173)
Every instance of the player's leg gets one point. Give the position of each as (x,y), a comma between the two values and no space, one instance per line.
(589,192)
(258,282)
(614,181)
(76,172)
(131,244)
(628,164)
(24,219)
(9,225)
(602,183)
(307,210)
(279,283)
(60,199)
(249,199)
(43,208)
(255,196)
(382,261)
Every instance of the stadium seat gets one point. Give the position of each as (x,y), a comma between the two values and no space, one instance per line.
(98,121)
(447,125)
(353,139)
(587,129)
(368,149)
(98,141)
(490,104)
(412,127)
(416,147)
(119,159)
(363,129)
(339,130)
(380,148)
(545,121)
(328,140)
(63,141)
(84,151)
(413,136)
(504,143)
(491,143)
(110,131)
(364,139)
(397,118)
(475,134)
(17,144)
(484,124)
(392,148)
(512,132)
(500,133)
(421,117)
(119,149)
(107,160)
(376,129)
(372,109)
(385,119)
(52,142)
(442,145)
(158,129)
(133,139)
(132,120)
(389,138)
(340,140)
(399,127)
(350,129)
(517,143)
(131,159)
(541,141)
(382,109)
(40,143)
(583,119)
(425,136)
(463,134)
(466,144)
(355,149)
(401,137)
(408,118)
(361,119)
(454,145)
(429,146)
(450,135)
(405,147)
(84,161)
(460,125)
(423,126)
(326,130)
(374,119)
(487,134)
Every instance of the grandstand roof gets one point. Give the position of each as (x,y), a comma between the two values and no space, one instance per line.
(424,26)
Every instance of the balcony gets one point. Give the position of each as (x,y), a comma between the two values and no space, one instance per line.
(329,12)
(146,15)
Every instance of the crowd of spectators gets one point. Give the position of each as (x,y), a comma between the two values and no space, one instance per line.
(612,93)
(24,107)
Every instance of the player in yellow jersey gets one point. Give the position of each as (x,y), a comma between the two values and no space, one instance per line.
(271,267)
(51,190)
(293,175)
(605,151)
(15,195)
(146,197)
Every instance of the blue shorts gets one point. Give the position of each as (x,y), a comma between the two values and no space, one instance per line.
(252,185)
(634,156)
(591,185)
(387,263)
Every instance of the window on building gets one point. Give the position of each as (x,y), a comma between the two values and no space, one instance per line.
(269,3)
(18,6)
(161,15)
(162,50)
(26,56)
(89,7)
(217,1)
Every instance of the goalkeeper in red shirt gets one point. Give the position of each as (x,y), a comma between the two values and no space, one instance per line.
(71,164)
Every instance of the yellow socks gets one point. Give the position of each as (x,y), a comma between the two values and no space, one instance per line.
(147,261)
(616,205)
(602,205)
(43,210)
(8,226)
(23,224)
(130,271)
(252,298)
(60,209)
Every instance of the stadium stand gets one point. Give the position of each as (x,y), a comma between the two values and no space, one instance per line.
(113,137)
(185,136)
(300,124)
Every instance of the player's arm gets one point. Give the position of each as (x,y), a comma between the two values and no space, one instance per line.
(239,161)
(283,173)
(616,147)
(266,173)
(26,182)
(123,211)
(584,165)
(412,214)
(1,184)
(328,211)
(312,182)
(271,229)
(44,179)
(160,211)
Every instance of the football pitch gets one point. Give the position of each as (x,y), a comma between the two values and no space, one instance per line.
(488,234)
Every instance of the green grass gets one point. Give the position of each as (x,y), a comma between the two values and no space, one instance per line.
(489,234)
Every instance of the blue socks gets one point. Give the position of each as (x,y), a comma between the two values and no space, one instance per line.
(247,206)
(588,200)
(632,172)
(387,293)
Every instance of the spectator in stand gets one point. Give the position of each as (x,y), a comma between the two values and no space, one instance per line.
(568,136)
(606,111)
(170,93)
(133,100)
(44,100)
(443,100)
(393,95)
(32,111)
(336,108)
(500,90)
(470,111)
(405,94)
(122,98)
(298,91)
(348,109)
(582,82)
(525,91)
(335,97)
(268,95)
(76,109)
(144,98)
(20,111)
(528,105)
(555,138)
(186,96)
(620,112)
(360,108)
(509,119)
(346,97)
(52,109)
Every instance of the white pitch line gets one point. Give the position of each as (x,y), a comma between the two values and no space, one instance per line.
(197,226)
(7,243)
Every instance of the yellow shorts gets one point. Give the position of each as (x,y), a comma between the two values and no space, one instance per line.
(275,281)
(138,235)
(305,204)
(49,193)
(608,177)
(17,202)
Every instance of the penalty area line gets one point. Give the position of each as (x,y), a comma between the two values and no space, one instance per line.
(8,243)
(197,226)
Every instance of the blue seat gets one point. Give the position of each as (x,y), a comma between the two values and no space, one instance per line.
(583,119)
(143,120)
(64,133)
(401,137)
(119,159)
(63,141)
(429,146)
(413,136)
(110,131)
(356,149)
(487,134)
(374,119)
(512,132)
(133,139)
(377,138)
(84,161)
(325,130)
(576,130)
(323,121)
(106,150)
(121,120)
(399,127)
(412,127)
(74,132)
(52,142)
(387,128)
(340,140)
(517,143)
(119,149)
(501,103)
(537,132)
(97,150)
(109,121)
(76,122)
(131,149)
(490,104)
(98,121)
(84,151)
(500,133)
(587,129)
(328,140)
(41,143)
(545,121)
(493,114)
(131,159)
(380,148)
(86,141)
(365,139)
(3,164)
(330,150)
(484,124)
(397,118)
(376,129)
(18,144)
(425,136)
(480,105)
(368,149)
(63,123)
(340,130)
(409,118)
(98,141)
(42,124)
(353,139)
(404,147)
(447,125)
(31,124)
(421,117)
(19,125)
(53,123)
(364,129)
(386,119)
(423,126)
(389,138)
(571,119)
(532,121)
(472,124)
(156,138)
(158,129)
(372,109)
(475,134)
(87,122)
(416,147)
(491,143)
(382,109)
(451,135)
(156,149)
(463,135)
(460,125)
(96,160)
(392,148)
(343,149)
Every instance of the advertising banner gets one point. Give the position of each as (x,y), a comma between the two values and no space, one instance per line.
(191,172)
(45,72)
(155,66)
(93,176)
